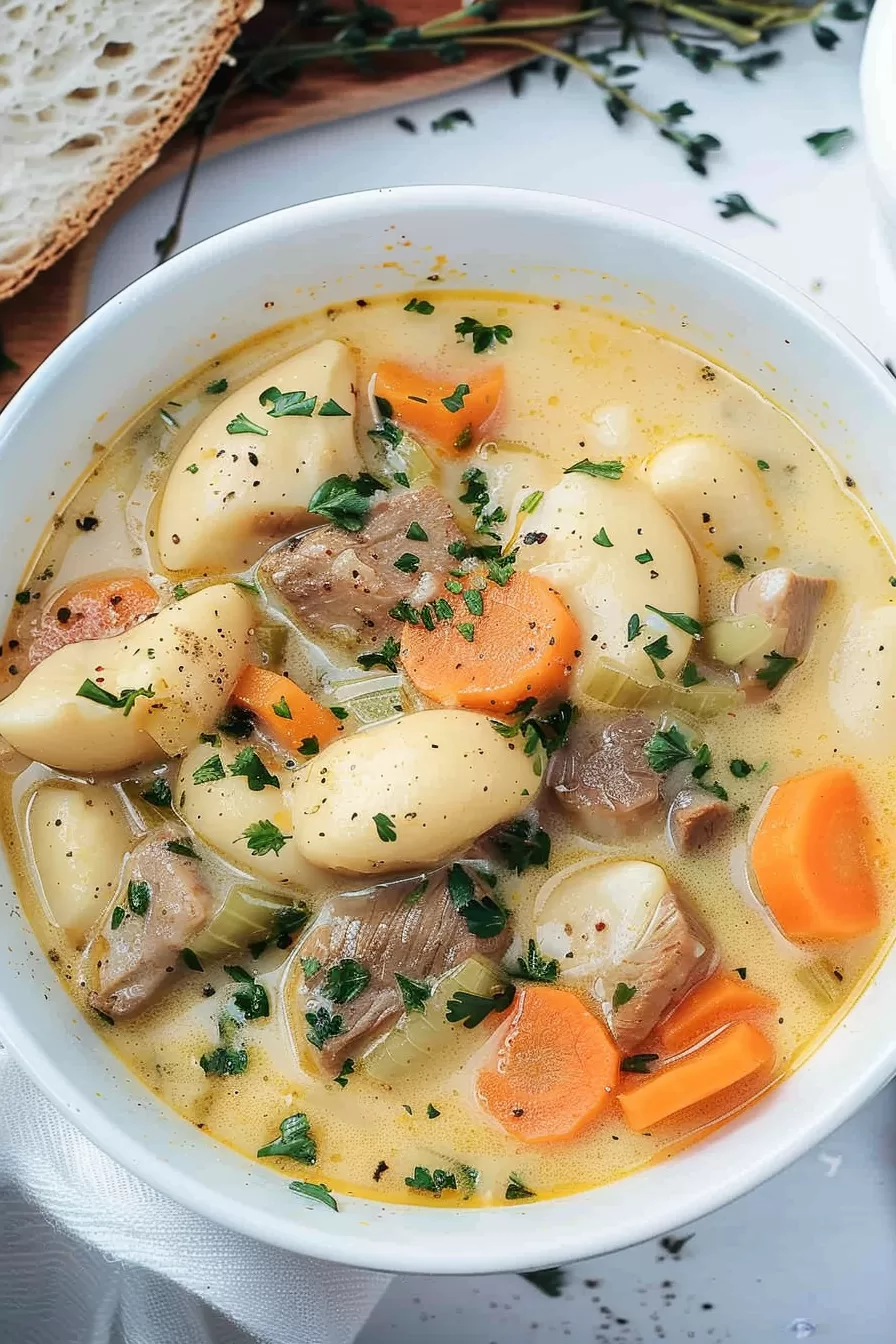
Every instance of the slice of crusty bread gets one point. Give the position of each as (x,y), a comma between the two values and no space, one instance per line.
(89,92)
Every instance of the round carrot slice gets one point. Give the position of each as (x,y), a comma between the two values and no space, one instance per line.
(555,1070)
(91,609)
(524,644)
(418,403)
(809,858)
(714,1003)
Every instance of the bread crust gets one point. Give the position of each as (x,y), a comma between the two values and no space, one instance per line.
(148,139)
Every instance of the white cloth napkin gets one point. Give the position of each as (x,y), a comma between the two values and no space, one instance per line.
(90,1255)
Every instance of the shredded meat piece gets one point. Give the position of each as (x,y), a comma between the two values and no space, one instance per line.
(345,583)
(696,818)
(783,598)
(603,779)
(386,932)
(138,959)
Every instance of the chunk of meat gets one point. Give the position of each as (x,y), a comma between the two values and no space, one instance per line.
(138,955)
(782,598)
(602,778)
(696,818)
(390,930)
(345,583)
(671,956)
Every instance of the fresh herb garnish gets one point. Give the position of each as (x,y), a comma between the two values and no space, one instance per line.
(323,1026)
(638,1063)
(455,400)
(634,627)
(218,386)
(501,571)
(414,993)
(332,407)
(602,539)
(483,336)
(384,657)
(623,994)
(295,1141)
(309,746)
(422,306)
(679,619)
(345,501)
(342,1077)
(139,895)
(209,771)
(740,768)
(241,424)
(263,837)
(608,471)
(282,709)
(416,533)
(473,1009)
(734,558)
(224,1061)
(190,959)
(125,700)
(830,142)
(741,971)
(431,1112)
(158,793)
(466,630)
(690,676)
(249,764)
(385,827)
(407,563)
(338,712)
(551,1282)
(656,651)
(516,1190)
(734,204)
(118,915)
(251,998)
(237,723)
(346,980)
(182,847)
(313,1191)
(458,116)
(523,845)
(775,670)
(762,464)
(433,1182)
(644,558)
(536,967)
(473,601)
(287,403)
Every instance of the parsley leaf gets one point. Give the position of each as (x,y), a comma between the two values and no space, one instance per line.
(536,967)
(422,306)
(125,700)
(667,749)
(346,980)
(623,994)
(282,709)
(118,915)
(473,601)
(466,630)
(548,1281)
(224,1061)
(734,558)
(829,142)
(190,959)
(414,993)
(733,203)
(342,1077)
(384,657)
(313,1191)
(690,676)
(215,388)
(608,471)
(209,771)
(182,847)
(323,1026)
(407,563)
(775,670)
(461,887)
(158,793)
(634,627)
(332,407)
(740,768)
(251,998)
(679,619)
(385,827)
(263,837)
(416,533)
(431,1112)
(287,403)
(602,539)
(500,571)
(295,1141)
(523,845)
(473,1009)
(516,1189)
(433,1182)
(237,723)
(243,425)
(483,337)
(344,501)
(139,894)
(455,400)
(249,764)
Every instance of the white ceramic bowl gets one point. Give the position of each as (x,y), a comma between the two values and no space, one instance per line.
(878,86)
(300,259)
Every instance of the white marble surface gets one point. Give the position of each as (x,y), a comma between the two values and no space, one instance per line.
(816,1244)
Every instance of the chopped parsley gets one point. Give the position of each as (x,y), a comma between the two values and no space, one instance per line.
(139,894)
(465,630)
(249,764)
(251,998)
(762,464)
(622,995)
(342,1077)
(224,1061)
(309,746)
(323,1026)
(656,651)
(263,837)
(287,403)
(523,845)
(473,1009)
(414,993)
(125,700)
(536,967)
(345,501)
(180,591)
(455,400)
(282,709)
(551,1282)
(295,1141)
(500,571)
(516,1189)
(422,306)
(118,915)
(384,657)
(531,502)
(740,768)
(644,558)
(313,1191)
(634,627)
(158,793)
(209,771)
(181,847)
(241,424)
(482,336)
(433,1182)
(338,712)
(408,563)
(217,387)
(484,918)
(237,723)
(608,471)
(346,980)
(679,619)
(385,827)
(473,601)
(431,1112)
(734,558)
(416,533)
(690,676)
(775,670)
(332,407)
(601,539)
(190,959)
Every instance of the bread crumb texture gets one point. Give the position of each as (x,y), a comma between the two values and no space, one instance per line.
(90,90)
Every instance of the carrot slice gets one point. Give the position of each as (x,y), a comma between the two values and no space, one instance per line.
(524,644)
(809,859)
(555,1070)
(92,609)
(727,1059)
(713,1004)
(417,402)
(268,695)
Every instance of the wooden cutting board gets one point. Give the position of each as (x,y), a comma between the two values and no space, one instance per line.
(35,321)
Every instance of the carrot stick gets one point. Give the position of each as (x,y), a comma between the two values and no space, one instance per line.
(555,1069)
(92,609)
(808,856)
(418,403)
(290,716)
(713,1004)
(523,644)
(727,1059)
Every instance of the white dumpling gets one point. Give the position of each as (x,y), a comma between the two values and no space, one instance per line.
(436,780)
(716,495)
(188,655)
(606,585)
(862,687)
(220,810)
(79,839)
(230,495)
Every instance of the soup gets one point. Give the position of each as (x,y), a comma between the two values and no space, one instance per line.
(448,748)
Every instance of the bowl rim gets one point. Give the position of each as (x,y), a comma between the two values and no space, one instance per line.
(85,1109)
